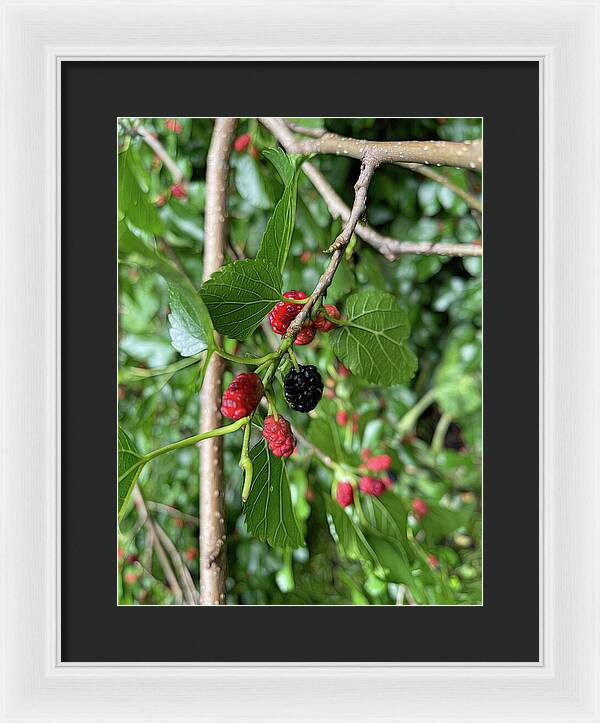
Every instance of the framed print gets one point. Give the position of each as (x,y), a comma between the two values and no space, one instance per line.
(202,518)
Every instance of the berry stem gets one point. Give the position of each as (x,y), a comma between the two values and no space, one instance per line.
(246,462)
(288,300)
(251,360)
(272,405)
(337,322)
(294,360)
(218,432)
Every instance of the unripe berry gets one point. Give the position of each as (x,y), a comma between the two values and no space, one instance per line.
(241,142)
(433,561)
(387,481)
(306,334)
(365,454)
(420,508)
(278,434)
(283,313)
(379,463)
(242,396)
(161,199)
(178,190)
(341,417)
(342,370)
(171,124)
(191,553)
(344,494)
(324,324)
(371,486)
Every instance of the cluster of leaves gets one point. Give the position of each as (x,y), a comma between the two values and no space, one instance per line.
(293,543)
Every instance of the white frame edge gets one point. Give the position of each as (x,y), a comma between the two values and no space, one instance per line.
(564,37)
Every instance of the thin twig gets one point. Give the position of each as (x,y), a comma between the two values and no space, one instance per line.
(389,247)
(159,149)
(172,511)
(162,556)
(184,574)
(326,459)
(360,196)
(467,154)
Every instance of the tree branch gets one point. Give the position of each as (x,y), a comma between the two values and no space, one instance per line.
(212,498)
(159,149)
(467,154)
(389,247)
(471,200)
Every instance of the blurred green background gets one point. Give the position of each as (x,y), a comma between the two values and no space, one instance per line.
(443,297)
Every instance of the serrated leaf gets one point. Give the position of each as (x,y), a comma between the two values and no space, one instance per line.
(133,202)
(191,329)
(372,343)
(268,511)
(130,463)
(239,296)
(276,240)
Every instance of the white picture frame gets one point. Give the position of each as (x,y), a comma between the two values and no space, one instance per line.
(563,37)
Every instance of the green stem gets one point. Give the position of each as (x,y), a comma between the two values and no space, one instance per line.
(337,322)
(246,463)
(140,373)
(252,360)
(439,436)
(294,360)
(218,432)
(409,420)
(272,405)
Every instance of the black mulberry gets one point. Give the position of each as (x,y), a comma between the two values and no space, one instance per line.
(303,388)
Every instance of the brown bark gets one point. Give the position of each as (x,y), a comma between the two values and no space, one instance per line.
(212,499)
(467,154)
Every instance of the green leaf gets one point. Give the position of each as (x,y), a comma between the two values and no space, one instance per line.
(268,511)
(387,515)
(250,183)
(275,244)
(325,435)
(392,559)
(133,202)
(130,464)
(280,161)
(239,296)
(191,329)
(441,521)
(372,342)
(351,540)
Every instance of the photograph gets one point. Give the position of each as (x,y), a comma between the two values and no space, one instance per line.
(299,372)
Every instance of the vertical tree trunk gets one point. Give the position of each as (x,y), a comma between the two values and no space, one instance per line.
(212,503)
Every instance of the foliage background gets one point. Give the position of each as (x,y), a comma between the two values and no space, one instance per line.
(443,298)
